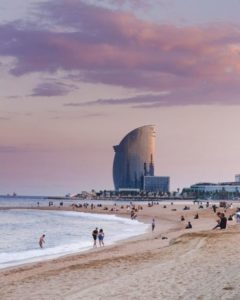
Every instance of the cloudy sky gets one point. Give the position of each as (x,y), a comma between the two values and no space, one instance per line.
(76,76)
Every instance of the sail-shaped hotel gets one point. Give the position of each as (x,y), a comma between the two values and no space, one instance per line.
(134,159)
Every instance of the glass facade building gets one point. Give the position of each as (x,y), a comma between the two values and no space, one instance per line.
(134,158)
(156,184)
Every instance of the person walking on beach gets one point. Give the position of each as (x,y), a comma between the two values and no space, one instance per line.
(153,224)
(101,237)
(214,207)
(95,235)
(41,241)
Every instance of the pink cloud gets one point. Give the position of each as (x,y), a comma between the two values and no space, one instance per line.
(116,48)
(207,94)
(137,100)
(136,5)
(50,89)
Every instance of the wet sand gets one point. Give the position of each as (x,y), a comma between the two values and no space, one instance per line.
(199,263)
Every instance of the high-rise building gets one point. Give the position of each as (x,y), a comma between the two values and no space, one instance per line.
(134,158)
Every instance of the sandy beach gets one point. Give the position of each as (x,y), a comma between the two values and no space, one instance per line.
(170,263)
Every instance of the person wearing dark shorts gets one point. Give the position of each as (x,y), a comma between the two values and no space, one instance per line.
(95,235)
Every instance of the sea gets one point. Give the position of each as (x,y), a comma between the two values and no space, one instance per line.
(67,232)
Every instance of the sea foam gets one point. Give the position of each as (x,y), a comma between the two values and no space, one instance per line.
(66,233)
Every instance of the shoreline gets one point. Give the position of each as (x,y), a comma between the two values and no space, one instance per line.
(165,227)
(94,270)
(53,256)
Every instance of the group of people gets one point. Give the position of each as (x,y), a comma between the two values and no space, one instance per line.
(98,235)
(221,221)
(189,224)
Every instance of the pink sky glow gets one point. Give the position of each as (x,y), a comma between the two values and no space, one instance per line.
(77,76)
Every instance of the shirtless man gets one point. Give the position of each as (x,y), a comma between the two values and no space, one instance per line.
(41,241)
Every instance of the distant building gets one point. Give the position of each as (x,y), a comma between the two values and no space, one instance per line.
(216,187)
(134,158)
(156,184)
(222,190)
(133,165)
(237,177)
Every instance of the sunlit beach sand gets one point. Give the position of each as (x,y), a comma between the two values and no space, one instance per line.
(170,263)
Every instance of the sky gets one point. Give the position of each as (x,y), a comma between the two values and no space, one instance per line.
(76,76)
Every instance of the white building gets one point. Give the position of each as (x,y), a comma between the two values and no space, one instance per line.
(237,177)
(231,187)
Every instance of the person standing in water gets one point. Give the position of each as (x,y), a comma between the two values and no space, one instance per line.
(41,241)
(95,235)
(101,237)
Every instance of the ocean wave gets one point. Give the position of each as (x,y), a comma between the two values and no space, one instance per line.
(67,233)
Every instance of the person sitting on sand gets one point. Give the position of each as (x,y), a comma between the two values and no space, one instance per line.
(196,216)
(182,218)
(189,225)
(41,241)
(223,221)
(218,221)
(94,235)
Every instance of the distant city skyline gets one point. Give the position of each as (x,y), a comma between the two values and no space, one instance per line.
(77,75)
